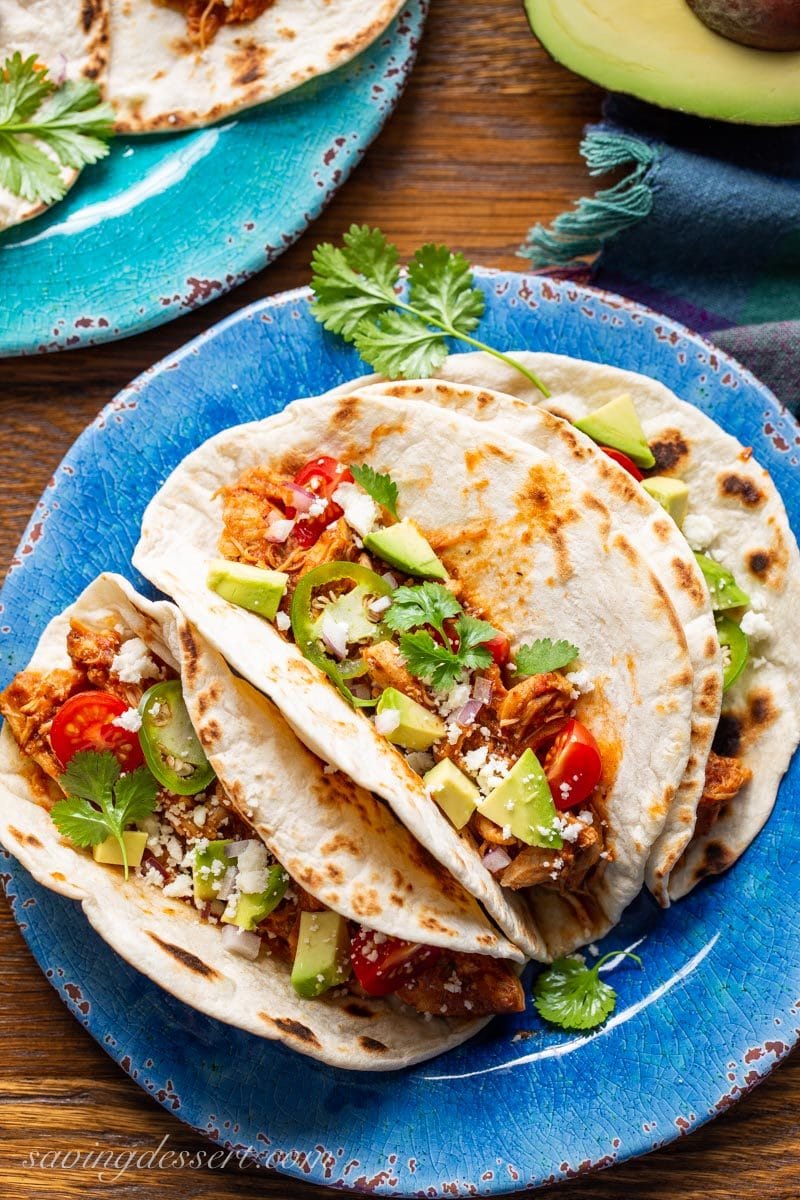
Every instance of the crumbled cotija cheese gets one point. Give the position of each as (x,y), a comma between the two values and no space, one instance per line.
(282,621)
(755,625)
(581,682)
(252,864)
(698,530)
(360,510)
(130,720)
(133,662)
(179,887)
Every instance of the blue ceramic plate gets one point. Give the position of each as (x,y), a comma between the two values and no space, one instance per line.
(120,254)
(716,1003)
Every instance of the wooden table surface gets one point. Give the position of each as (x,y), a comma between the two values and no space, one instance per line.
(483,143)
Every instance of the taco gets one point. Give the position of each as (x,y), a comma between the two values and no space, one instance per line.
(190,62)
(735,524)
(448,619)
(71,40)
(235,869)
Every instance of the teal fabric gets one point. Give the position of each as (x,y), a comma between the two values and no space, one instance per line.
(704,226)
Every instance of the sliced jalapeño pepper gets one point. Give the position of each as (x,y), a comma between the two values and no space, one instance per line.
(738,646)
(348,607)
(170,745)
(723,588)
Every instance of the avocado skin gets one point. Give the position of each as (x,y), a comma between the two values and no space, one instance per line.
(676,63)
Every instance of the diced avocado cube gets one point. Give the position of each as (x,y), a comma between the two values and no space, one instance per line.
(254,588)
(671,494)
(523,802)
(110,851)
(205,874)
(417,728)
(251,907)
(617,424)
(723,588)
(403,546)
(322,958)
(456,795)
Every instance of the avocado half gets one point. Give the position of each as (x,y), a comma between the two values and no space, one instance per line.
(659,51)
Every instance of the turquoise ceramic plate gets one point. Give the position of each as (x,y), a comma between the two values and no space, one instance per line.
(715,1004)
(166,223)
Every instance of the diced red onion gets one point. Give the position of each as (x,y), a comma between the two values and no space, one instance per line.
(496,859)
(234,849)
(278,528)
(380,605)
(149,860)
(228,883)
(334,636)
(467,715)
(302,498)
(361,691)
(387,721)
(482,689)
(241,942)
(390,579)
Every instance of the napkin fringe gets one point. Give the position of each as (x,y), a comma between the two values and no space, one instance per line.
(584,230)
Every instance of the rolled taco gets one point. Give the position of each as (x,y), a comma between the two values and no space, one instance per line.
(735,524)
(449,619)
(222,859)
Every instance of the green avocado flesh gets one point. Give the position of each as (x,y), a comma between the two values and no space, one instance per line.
(417,728)
(254,588)
(455,794)
(617,424)
(524,803)
(322,958)
(661,52)
(404,547)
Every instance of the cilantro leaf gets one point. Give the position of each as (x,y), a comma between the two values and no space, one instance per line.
(544,655)
(437,665)
(91,775)
(101,801)
(472,633)
(441,287)
(572,995)
(135,796)
(354,283)
(70,121)
(80,821)
(426,604)
(401,345)
(354,296)
(381,488)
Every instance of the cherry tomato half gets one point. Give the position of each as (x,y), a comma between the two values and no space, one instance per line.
(573,762)
(321,476)
(623,460)
(382,963)
(500,648)
(85,723)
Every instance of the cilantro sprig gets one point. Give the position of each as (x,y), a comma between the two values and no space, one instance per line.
(101,801)
(572,995)
(462,647)
(381,488)
(70,120)
(544,655)
(355,296)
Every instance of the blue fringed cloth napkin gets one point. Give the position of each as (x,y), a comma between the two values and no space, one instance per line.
(703,223)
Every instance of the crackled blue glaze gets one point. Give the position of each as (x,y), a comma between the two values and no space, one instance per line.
(167,223)
(717,1002)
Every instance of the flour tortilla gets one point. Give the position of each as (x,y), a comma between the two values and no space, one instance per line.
(71,39)
(760,721)
(531,554)
(257,758)
(160,81)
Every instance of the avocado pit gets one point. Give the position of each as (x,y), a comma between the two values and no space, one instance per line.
(764,24)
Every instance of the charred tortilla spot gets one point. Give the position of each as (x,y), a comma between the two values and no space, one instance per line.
(739,487)
(728,737)
(59,878)
(669,451)
(710,693)
(759,562)
(662,530)
(294,1029)
(207,698)
(359,1010)
(716,858)
(761,708)
(340,841)
(25,839)
(688,579)
(209,734)
(591,502)
(366,902)
(247,63)
(185,958)
(711,647)
(559,412)
(371,1045)
(397,899)
(190,653)
(90,11)
(334,873)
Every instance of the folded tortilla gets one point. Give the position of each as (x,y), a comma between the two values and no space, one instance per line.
(534,552)
(748,531)
(339,843)
(160,80)
(69,38)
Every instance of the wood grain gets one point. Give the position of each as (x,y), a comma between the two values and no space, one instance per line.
(483,143)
